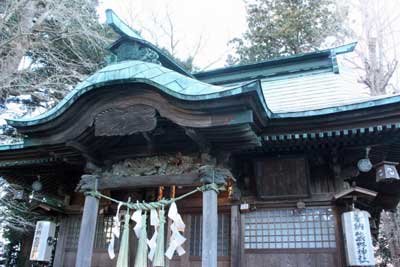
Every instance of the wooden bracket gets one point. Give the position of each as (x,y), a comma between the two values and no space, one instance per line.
(86,153)
(149,139)
(199,139)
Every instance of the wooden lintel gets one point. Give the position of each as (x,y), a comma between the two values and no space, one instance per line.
(125,182)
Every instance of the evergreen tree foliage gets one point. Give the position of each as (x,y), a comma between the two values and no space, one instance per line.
(286,27)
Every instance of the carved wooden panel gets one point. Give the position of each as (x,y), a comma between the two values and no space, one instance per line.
(282,177)
(119,121)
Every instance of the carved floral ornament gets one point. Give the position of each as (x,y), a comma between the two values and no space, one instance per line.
(160,165)
(120,121)
(203,167)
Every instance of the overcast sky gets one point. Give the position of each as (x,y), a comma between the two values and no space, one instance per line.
(215,22)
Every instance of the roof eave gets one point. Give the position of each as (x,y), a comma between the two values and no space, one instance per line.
(280,60)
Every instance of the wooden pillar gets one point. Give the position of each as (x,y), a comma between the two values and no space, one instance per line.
(87,232)
(235,236)
(210,229)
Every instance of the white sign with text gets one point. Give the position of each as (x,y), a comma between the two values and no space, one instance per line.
(357,238)
(42,245)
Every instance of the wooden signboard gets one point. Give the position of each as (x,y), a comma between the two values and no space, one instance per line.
(357,237)
(282,177)
(41,248)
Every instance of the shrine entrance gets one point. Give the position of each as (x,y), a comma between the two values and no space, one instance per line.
(183,209)
(144,163)
(192,218)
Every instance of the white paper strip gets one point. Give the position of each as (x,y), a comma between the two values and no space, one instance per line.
(176,242)
(152,243)
(180,251)
(177,239)
(154,221)
(110,250)
(173,214)
(137,217)
(115,232)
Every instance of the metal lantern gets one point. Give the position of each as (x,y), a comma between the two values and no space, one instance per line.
(365,165)
(386,171)
(37,185)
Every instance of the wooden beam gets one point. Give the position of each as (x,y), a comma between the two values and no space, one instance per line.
(87,232)
(114,182)
(117,182)
(210,229)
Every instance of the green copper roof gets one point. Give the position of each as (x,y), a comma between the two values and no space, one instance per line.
(181,87)
(374,102)
(129,36)
(287,65)
(166,81)
(119,26)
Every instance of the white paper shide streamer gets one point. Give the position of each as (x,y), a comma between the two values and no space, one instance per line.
(137,218)
(152,243)
(115,232)
(177,239)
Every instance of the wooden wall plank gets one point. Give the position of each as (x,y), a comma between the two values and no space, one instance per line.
(282,177)
(184,260)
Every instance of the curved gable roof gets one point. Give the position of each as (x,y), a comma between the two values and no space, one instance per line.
(235,82)
(182,87)
(166,81)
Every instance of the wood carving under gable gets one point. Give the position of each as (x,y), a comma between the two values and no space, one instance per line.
(120,121)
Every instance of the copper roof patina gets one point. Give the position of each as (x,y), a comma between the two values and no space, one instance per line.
(266,81)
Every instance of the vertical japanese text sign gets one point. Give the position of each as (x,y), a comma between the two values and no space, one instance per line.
(41,249)
(357,238)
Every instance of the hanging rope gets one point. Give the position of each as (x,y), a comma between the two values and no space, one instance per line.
(157,220)
(157,204)
(158,260)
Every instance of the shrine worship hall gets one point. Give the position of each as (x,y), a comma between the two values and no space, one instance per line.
(266,164)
